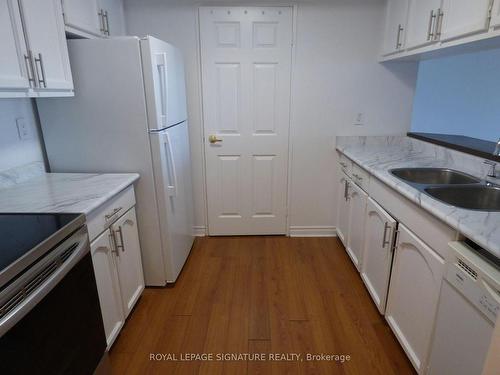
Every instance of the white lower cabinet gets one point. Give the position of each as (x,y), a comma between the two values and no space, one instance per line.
(343,208)
(416,278)
(128,259)
(357,212)
(107,286)
(377,256)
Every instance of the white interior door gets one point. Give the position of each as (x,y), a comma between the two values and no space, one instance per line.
(377,257)
(246,65)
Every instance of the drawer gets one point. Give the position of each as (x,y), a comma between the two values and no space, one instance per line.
(345,164)
(360,176)
(102,217)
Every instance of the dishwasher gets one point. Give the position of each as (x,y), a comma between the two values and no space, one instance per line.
(467,312)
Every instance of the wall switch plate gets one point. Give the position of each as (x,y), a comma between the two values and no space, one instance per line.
(23,129)
(360,119)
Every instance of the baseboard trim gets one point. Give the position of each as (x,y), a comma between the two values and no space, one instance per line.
(200,231)
(312,231)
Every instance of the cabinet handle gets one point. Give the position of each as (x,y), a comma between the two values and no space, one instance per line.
(106,22)
(398,42)
(439,24)
(115,211)
(384,241)
(100,14)
(346,190)
(343,164)
(122,246)
(129,222)
(431,24)
(29,69)
(112,239)
(39,62)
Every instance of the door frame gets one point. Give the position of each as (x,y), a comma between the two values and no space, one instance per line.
(205,231)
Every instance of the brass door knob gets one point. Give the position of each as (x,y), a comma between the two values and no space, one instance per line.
(213,139)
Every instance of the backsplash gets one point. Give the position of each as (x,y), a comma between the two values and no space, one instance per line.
(19,158)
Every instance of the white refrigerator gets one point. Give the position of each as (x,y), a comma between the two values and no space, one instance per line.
(129,115)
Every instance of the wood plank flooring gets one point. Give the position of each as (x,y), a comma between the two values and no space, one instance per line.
(261,295)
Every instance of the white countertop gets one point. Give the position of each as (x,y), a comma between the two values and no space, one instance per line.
(379,156)
(64,192)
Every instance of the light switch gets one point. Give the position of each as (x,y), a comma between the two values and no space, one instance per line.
(23,129)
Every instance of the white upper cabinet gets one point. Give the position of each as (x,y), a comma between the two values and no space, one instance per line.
(83,15)
(424,22)
(44,29)
(395,28)
(464,17)
(114,17)
(14,54)
(416,278)
(495,14)
(88,18)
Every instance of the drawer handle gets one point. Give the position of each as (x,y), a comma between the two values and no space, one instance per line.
(115,211)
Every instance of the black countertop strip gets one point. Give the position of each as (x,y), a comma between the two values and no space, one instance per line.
(468,145)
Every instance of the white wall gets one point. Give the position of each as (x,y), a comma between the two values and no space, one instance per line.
(336,75)
(13,151)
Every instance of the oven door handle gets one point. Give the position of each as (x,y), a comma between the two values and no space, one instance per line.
(30,301)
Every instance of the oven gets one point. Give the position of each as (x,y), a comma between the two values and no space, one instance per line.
(50,317)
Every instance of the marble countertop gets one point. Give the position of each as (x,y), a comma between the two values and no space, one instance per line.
(63,192)
(386,153)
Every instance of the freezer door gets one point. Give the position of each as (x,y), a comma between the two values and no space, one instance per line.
(163,70)
(172,170)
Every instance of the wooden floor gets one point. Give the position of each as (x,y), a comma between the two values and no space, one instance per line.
(261,295)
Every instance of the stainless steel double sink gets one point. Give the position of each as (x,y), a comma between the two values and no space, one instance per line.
(452,187)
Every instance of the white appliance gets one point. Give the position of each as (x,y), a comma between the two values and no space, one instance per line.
(129,115)
(468,308)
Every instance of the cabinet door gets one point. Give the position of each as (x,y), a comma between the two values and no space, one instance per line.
(83,15)
(495,14)
(464,17)
(357,214)
(13,52)
(395,28)
(343,208)
(44,29)
(377,256)
(416,278)
(107,286)
(114,17)
(422,22)
(128,259)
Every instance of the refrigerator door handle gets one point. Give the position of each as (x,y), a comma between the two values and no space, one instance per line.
(161,66)
(171,172)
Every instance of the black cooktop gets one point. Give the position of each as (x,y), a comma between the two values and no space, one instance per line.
(20,233)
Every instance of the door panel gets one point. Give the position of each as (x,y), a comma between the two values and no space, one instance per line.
(343,208)
(47,40)
(495,14)
(464,17)
(416,279)
(107,286)
(422,20)
(246,64)
(116,16)
(13,74)
(128,259)
(357,216)
(396,21)
(83,15)
(377,256)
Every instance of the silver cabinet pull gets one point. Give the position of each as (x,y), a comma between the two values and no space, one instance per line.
(129,222)
(106,22)
(346,190)
(122,244)
(29,69)
(439,24)
(398,39)
(39,62)
(115,211)
(112,239)
(100,14)
(384,240)
(431,24)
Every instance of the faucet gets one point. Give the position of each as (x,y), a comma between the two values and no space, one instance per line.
(492,172)
(497,148)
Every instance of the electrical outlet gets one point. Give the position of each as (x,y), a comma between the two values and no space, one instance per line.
(360,119)
(23,129)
